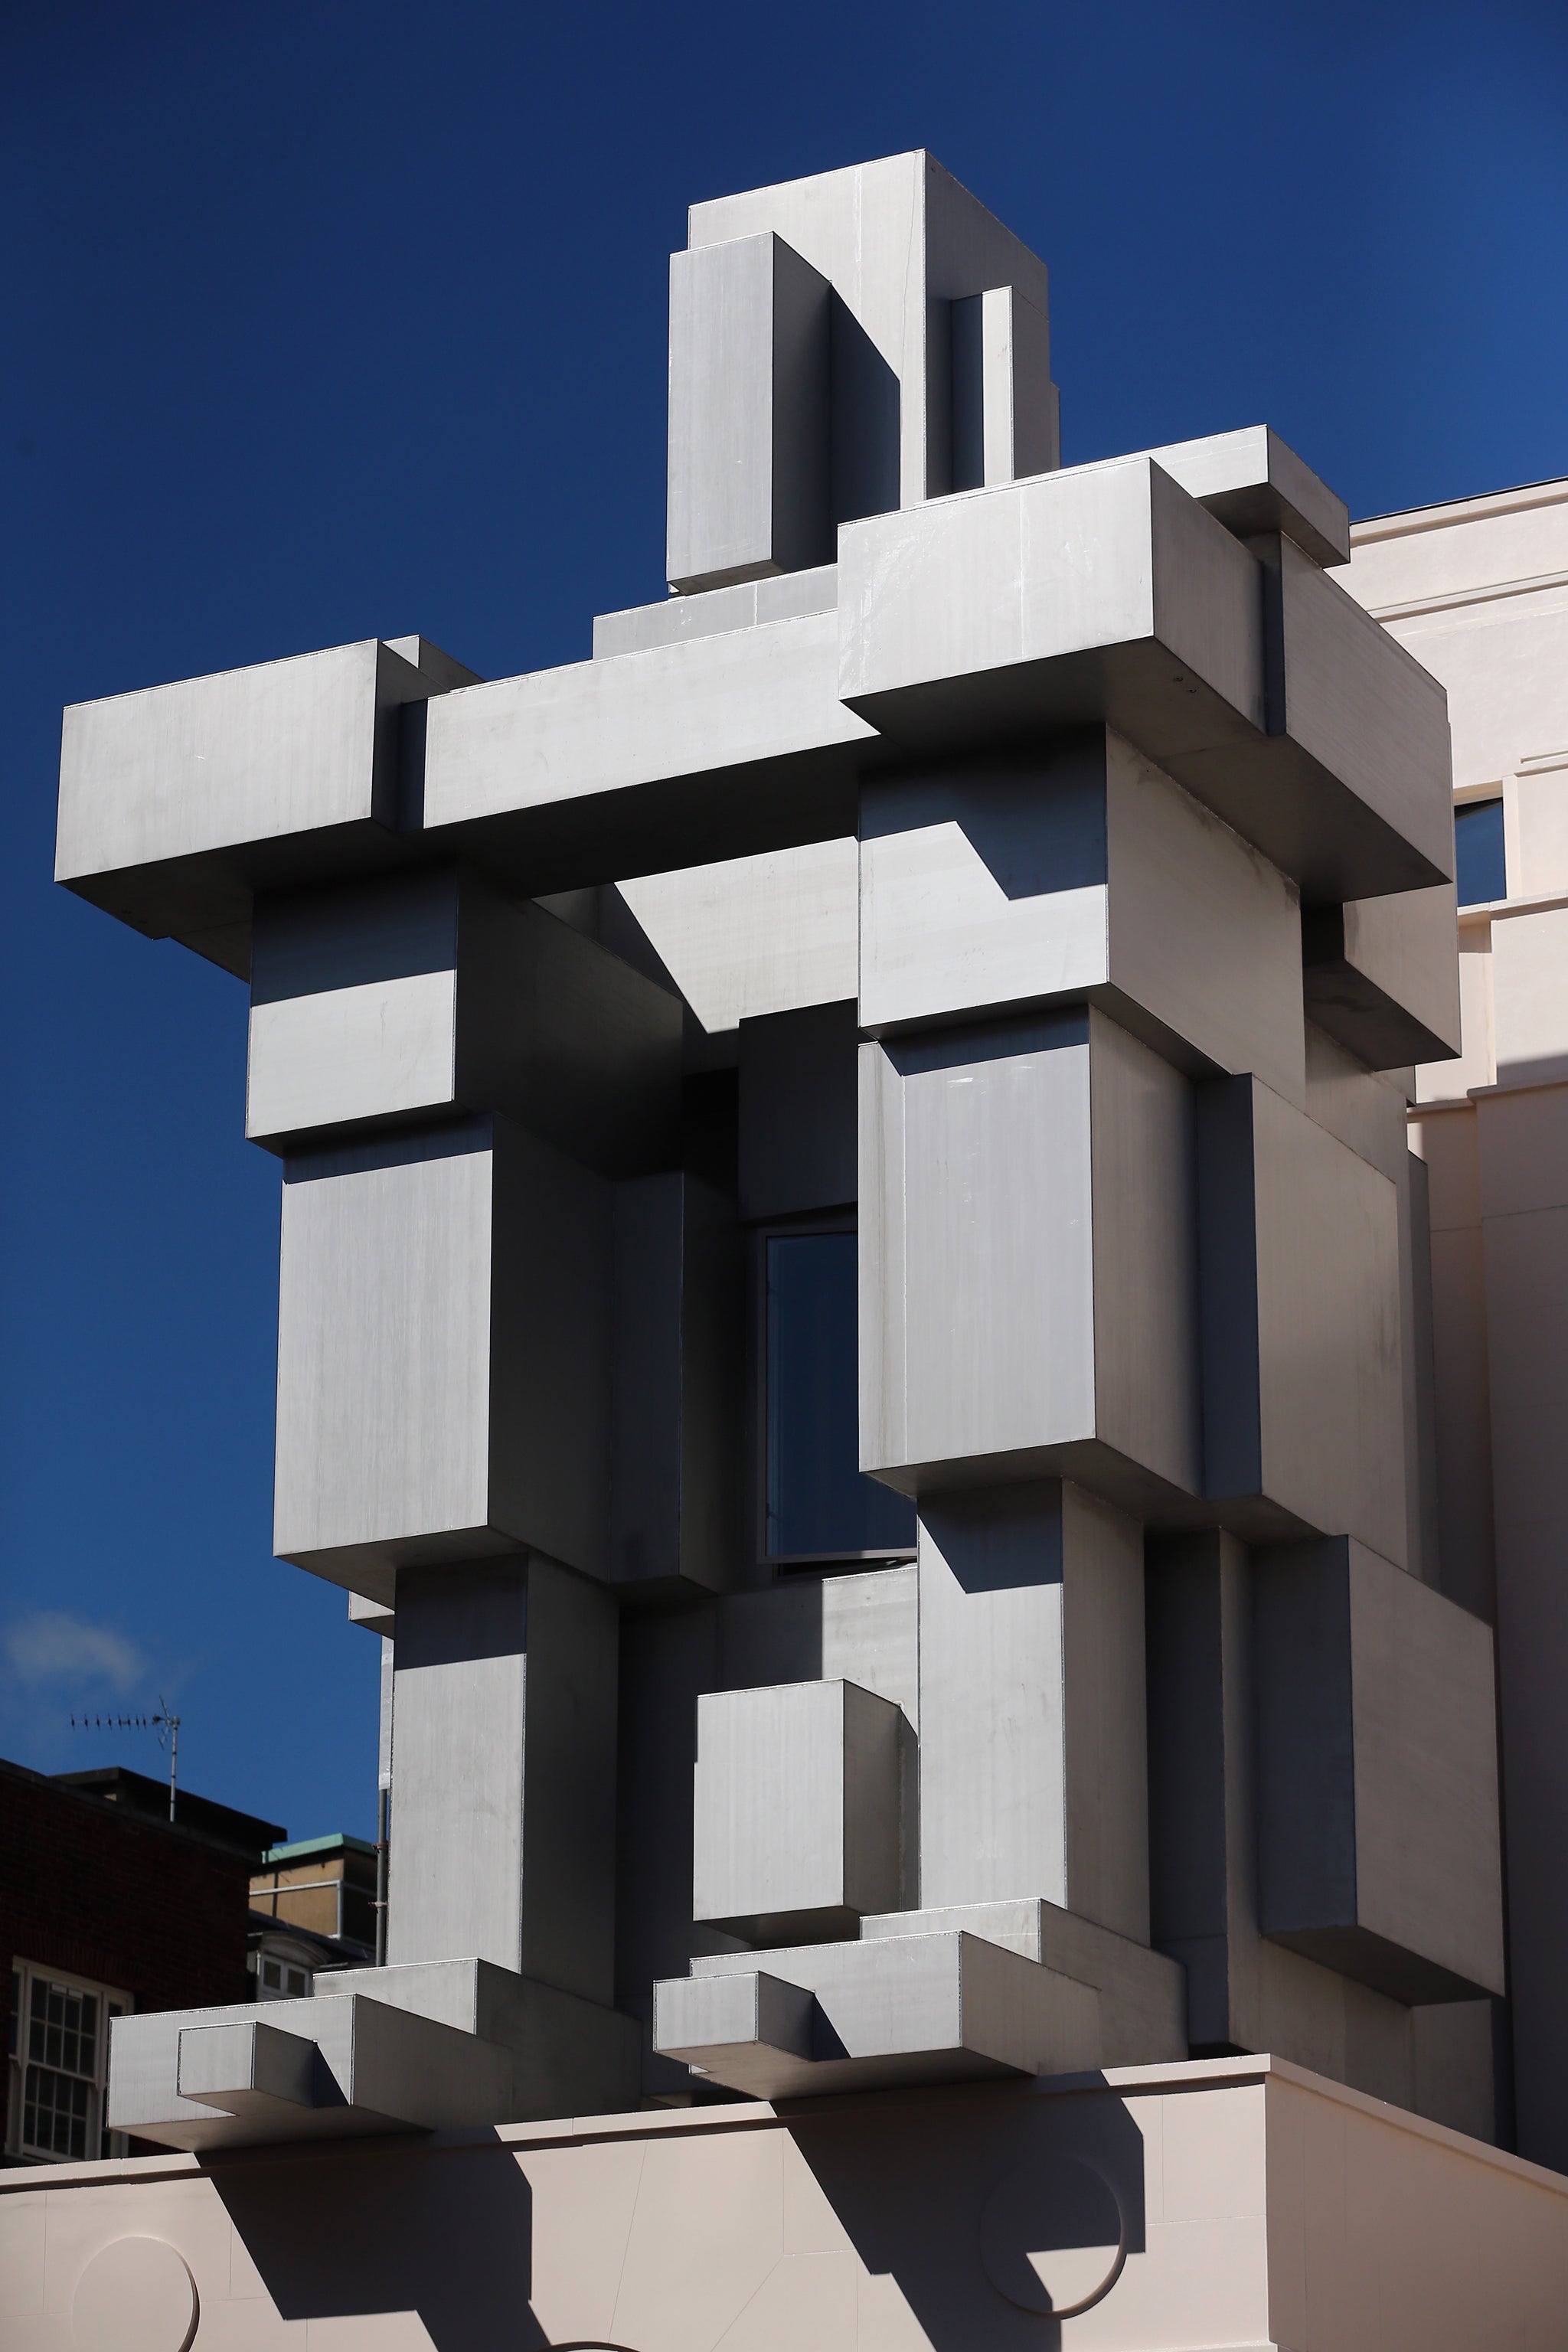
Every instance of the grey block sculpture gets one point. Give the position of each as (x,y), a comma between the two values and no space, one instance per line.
(851,1290)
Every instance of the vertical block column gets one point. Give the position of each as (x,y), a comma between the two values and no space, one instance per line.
(505,1710)
(1034,1777)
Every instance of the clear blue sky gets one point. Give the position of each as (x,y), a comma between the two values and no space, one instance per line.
(328,320)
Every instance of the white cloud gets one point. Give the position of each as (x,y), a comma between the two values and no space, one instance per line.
(51,1647)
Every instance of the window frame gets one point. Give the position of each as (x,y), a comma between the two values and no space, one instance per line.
(803,1227)
(112,2000)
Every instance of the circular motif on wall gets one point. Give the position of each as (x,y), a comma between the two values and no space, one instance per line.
(1053,2236)
(135,2296)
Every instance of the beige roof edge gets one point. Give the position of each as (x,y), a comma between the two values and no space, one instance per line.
(1445,512)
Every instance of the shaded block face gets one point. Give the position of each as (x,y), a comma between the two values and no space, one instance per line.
(1377,1796)
(1027,1261)
(1006,413)
(374,1005)
(218,783)
(443,1388)
(1105,593)
(798,1810)
(1303,1350)
(675,1385)
(750,483)
(1033,1774)
(1382,976)
(1083,872)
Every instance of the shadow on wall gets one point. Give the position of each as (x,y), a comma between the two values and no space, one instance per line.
(995,2215)
(381,2229)
(1002,2218)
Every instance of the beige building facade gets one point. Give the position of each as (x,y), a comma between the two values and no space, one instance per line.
(1477,590)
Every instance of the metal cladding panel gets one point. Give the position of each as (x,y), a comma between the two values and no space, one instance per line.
(347,1056)
(1253,482)
(796,1810)
(442,1361)
(1101,592)
(505,1714)
(749,485)
(1032,1738)
(896,1996)
(1026,1239)
(384,1352)
(670,730)
(1378,1833)
(1382,976)
(1366,710)
(1301,1343)
(241,756)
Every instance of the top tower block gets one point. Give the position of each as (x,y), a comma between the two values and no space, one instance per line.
(843,346)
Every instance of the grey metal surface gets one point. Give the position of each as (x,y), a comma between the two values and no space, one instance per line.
(798,1096)
(1005,413)
(1303,1350)
(1378,1838)
(505,1720)
(443,1375)
(1032,1731)
(750,479)
(784,596)
(1142,1993)
(676,1417)
(920,2007)
(372,2068)
(1078,872)
(1026,1275)
(435,993)
(1253,482)
(796,1804)
(1382,976)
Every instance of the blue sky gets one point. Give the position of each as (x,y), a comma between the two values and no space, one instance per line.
(331,320)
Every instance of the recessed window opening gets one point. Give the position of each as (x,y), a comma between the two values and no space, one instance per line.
(818,1505)
(1480,866)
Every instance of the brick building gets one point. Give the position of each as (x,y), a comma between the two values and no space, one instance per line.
(105,1907)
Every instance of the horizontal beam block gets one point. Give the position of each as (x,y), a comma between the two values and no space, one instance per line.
(1382,976)
(903,2009)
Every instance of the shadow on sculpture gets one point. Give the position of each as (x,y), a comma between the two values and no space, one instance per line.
(1004,2218)
(386,2230)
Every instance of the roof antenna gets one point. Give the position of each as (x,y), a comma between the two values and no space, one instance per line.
(167,1726)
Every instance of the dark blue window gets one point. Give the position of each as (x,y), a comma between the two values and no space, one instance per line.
(1477,853)
(819,1504)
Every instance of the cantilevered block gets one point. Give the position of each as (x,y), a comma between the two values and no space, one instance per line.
(1101,592)
(1352,792)
(906,2008)
(1079,871)
(1032,1710)
(179,801)
(1027,1302)
(564,777)
(200,2079)
(1301,1341)
(1382,976)
(1253,482)
(1377,1789)
(1106,592)
(443,1376)
(750,459)
(798,1810)
(384,1002)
